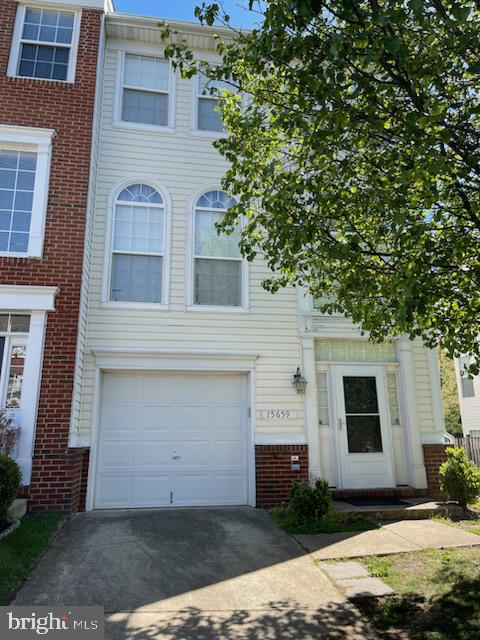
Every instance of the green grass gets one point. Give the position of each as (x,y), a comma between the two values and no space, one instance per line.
(20,551)
(472,525)
(438,594)
(334,522)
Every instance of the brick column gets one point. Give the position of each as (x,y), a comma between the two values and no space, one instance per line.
(434,455)
(274,474)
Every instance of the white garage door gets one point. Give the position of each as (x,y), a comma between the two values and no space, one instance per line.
(172,440)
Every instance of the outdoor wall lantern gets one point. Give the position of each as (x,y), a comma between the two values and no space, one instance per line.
(299,381)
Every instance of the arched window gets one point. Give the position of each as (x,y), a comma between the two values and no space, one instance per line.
(138,245)
(217,277)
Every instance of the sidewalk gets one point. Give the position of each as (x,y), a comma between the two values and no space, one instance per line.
(397,537)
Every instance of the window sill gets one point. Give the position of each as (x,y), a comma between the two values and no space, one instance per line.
(216,135)
(12,254)
(49,80)
(140,306)
(203,308)
(138,126)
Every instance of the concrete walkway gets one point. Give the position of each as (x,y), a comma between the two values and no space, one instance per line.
(397,537)
(192,573)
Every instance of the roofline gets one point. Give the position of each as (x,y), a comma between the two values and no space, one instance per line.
(152,22)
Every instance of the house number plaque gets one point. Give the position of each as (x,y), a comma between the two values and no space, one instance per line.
(278,414)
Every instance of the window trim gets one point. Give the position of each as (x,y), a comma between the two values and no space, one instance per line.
(117,111)
(107,268)
(204,308)
(14,58)
(40,142)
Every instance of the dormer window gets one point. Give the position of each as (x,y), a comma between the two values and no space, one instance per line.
(44,44)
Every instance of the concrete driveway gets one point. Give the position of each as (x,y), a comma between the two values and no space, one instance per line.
(191,573)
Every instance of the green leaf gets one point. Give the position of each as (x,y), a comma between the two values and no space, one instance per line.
(392,44)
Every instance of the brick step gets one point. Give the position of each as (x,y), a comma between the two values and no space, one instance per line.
(388,492)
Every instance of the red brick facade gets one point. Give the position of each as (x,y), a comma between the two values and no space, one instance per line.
(274,473)
(67,108)
(434,455)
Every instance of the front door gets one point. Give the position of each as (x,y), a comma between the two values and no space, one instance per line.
(363,427)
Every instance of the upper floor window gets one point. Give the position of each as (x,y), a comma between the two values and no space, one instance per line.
(466,380)
(209,117)
(17,181)
(44,45)
(138,246)
(218,265)
(145,90)
(24,174)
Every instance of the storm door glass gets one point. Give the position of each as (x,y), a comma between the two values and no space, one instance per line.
(362,415)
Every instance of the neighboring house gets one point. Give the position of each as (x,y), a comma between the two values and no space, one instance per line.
(48,68)
(184,389)
(468,396)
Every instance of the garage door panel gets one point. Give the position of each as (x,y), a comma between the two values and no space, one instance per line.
(194,418)
(194,388)
(117,454)
(229,452)
(191,488)
(121,388)
(114,491)
(155,392)
(230,488)
(118,418)
(160,419)
(193,452)
(231,419)
(152,490)
(154,453)
(230,389)
(149,418)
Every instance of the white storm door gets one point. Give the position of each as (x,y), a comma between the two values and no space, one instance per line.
(363,427)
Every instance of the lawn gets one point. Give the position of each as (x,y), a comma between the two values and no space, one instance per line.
(334,522)
(21,550)
(438,595)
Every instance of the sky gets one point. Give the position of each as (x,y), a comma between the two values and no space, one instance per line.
(184,10)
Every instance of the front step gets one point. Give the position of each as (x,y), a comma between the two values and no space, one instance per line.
(388,492)
(413,509)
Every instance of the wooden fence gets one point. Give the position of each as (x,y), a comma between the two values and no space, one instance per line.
(471,444)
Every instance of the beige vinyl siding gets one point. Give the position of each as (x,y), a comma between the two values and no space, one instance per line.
(88,243)
(182,163)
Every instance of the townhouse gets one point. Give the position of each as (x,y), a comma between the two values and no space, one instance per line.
(197,386)
(143,359)
(48,72)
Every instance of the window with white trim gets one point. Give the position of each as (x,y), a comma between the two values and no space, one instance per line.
(138,245)
(209,117)
(45,44)
(24,176)
(218,264)
(14,330)
(466,380)
(145,92)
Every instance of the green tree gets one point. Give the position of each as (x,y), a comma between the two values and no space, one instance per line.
(356,156)
(451,407)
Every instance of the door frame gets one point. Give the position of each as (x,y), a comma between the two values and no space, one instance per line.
(380,373)
(213,362)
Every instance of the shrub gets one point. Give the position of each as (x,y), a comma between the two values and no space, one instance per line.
(10,478)
(308,502)
(460,477)
(9,434)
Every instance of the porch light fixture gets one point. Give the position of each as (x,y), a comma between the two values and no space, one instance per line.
(299,381)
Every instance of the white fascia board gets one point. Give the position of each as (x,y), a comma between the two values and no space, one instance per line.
(104,5)
(27,298)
